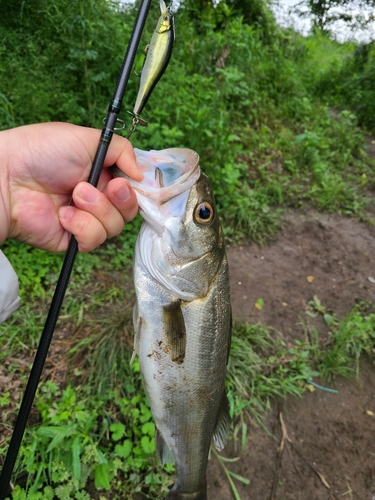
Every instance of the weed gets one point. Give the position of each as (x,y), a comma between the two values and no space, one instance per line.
(248,107)
(263,367)
(251,216)
(230,474)
(351,338)
(79,440)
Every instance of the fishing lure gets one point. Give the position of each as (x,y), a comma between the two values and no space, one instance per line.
(158,55)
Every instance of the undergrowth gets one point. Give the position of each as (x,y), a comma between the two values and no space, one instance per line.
(96,432)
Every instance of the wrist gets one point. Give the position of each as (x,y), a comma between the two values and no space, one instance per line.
(5,221)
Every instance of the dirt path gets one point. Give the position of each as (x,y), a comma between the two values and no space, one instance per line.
(338,253)
(331,434)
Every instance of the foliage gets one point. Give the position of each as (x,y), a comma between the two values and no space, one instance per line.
(352,338)
(78,442)
(237,98)
(55,59)
(206,14)
(37,269)
(263,139)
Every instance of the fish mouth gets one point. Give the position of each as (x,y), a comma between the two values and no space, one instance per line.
(167,173)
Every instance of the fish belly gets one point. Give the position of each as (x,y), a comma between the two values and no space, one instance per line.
(184,396)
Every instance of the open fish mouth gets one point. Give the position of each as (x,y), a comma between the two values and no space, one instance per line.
(167,173)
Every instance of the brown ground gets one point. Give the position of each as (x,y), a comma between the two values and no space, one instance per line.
(331,434)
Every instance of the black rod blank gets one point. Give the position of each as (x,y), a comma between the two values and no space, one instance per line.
(49,327)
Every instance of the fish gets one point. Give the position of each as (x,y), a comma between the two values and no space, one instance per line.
(158,54)
(182,315)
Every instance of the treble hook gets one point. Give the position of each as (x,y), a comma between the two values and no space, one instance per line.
(137,120)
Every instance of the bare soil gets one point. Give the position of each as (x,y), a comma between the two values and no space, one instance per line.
(329,439)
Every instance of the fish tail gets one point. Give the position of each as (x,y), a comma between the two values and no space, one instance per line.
(174,494)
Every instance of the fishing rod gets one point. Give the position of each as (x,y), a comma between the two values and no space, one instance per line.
(49,327)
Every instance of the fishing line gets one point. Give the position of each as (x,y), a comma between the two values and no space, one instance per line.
(46,337)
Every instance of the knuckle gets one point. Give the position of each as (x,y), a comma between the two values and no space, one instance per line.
(89,232)
(108,210)
(84,223)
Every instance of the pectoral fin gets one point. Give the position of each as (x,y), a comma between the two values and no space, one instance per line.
(164,453)
(221,431)
(175,331)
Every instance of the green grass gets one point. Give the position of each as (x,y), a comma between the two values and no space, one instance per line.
(97,431)
(262,366)
(94,430)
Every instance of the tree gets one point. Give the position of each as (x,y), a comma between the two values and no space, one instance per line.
(253,12)
(356,14)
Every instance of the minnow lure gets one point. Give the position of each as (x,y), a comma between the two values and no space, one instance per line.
(158,54)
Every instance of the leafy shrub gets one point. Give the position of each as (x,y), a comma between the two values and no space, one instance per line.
(78,442)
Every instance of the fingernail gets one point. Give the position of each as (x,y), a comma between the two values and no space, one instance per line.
(122,193)
(65,213)
(88,193)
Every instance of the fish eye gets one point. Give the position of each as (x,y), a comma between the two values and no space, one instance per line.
(203,213)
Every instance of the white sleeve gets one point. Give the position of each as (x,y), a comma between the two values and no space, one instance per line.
(9,299)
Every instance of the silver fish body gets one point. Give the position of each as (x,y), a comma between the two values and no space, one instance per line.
(182,315)
(157,57)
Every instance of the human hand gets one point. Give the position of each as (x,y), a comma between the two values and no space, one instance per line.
(42,169)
